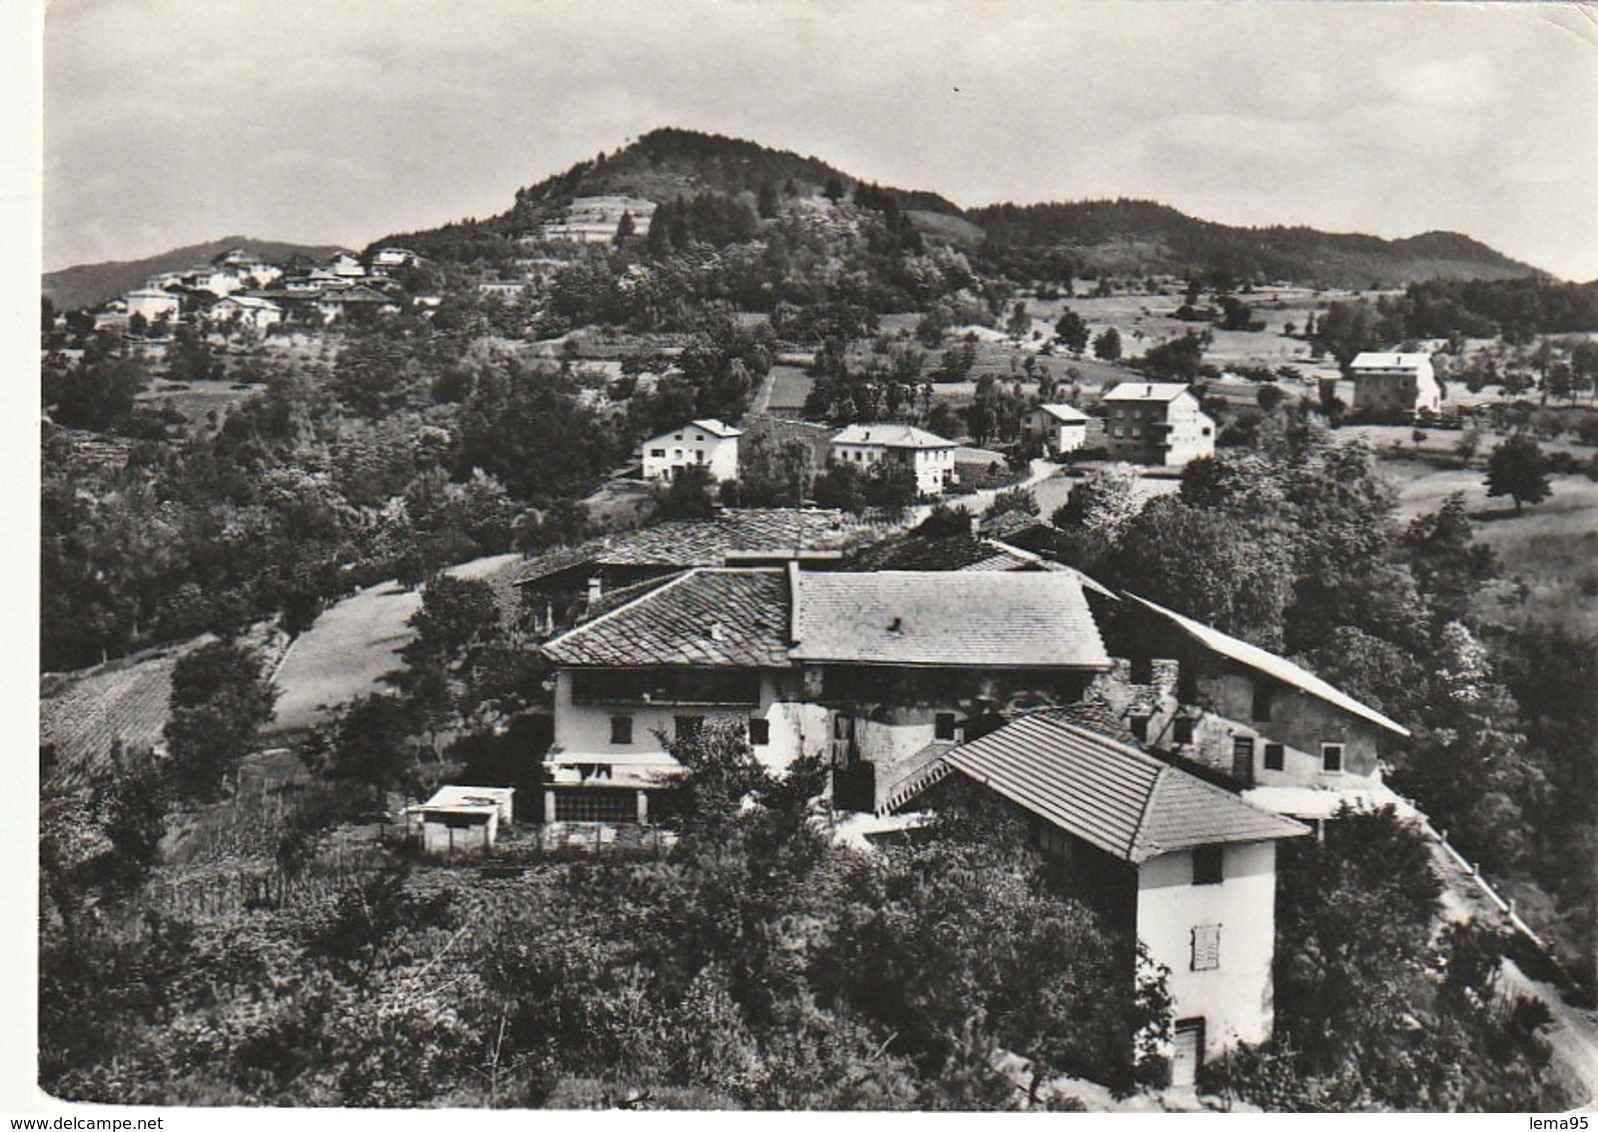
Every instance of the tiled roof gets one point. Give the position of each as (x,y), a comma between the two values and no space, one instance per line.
(706,542)
(1272,665)
(708,617)
(955,552)
(891,436)
(1146,391)
(1015,620)
(1118,799)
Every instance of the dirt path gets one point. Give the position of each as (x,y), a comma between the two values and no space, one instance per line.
(1573,1033)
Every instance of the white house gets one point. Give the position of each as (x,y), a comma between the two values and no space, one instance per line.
(1403,383)
(1193,864)
(594,220)
(153,303)
(1063,428)
(346,266)
(394,257)
(708,444)
(254,313)
(1156,423)
(929,457)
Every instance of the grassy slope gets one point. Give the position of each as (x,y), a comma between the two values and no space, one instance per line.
(345,654)
(1552,547)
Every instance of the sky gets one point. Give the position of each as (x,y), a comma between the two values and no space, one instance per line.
(176,121)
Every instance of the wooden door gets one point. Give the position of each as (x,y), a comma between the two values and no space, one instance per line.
(1187,1055)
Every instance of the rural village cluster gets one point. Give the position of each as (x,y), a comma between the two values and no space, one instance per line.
(1166,760)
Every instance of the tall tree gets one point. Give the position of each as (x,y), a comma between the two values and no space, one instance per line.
(1517,468)
(219,704)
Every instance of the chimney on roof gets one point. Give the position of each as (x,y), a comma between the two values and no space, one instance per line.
(896,625)
(596,590)
(715,632)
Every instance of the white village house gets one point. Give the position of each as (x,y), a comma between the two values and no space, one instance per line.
(1190,865)
(1156,423)
(153,303)
(1392,382)
(929,457)
(254,313)
(1062,428)
(707,444)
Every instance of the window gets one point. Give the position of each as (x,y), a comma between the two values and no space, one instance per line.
(1262,702)
(1207,947)
(621,729)
(1332,758)
(759,731)
(600,805)
(1275,755)
(687,726)
(943,725)
(1182,730)
(1140,727)
(1243,758)
(1208,862)
(657,453)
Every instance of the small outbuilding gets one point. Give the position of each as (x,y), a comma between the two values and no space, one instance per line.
(460,821)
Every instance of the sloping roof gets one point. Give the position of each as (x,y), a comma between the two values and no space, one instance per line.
(1014,620)
(1372,359)
(1272,665)
(1146,391)
(891,436)
(706,542)
(1118,799)
(716,428)
(1066,414)
(716,618)
(709,424)
(911,551)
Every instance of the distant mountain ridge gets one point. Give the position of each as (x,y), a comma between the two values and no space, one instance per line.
(90,284)
(1119,237)
(1130,237)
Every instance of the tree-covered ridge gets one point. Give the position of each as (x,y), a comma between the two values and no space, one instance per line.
(1033,241)
(1145,237)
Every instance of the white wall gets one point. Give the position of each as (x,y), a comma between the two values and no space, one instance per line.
(1235,999)
(585,728)
(690,447)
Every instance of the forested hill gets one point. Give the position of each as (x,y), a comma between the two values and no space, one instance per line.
(1130,237)
(1121,237)
(90,284)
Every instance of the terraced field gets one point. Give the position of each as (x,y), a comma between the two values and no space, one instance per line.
(84,712)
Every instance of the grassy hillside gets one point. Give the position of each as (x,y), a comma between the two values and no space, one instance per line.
(90,284)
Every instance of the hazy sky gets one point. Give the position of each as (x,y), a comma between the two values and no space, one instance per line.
(174,121)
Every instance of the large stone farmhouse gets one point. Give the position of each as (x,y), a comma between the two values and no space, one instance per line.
(1157,754)
(1395,383)
(1156,423)
(880,672)
(1287,739)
